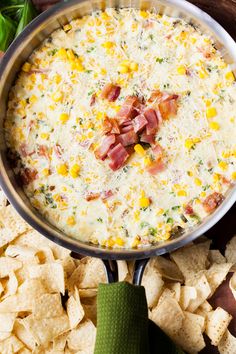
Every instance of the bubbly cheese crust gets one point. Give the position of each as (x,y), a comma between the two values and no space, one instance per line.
(53,129)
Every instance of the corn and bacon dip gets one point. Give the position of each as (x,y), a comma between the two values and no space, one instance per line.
(100,78)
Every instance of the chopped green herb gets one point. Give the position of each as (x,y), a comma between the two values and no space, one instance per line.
(52,52)
(204,188)
(176,207)
(170,221)
(159,60)
(90,49)
(166,212)
(144,224)
(99,220)
(152,231)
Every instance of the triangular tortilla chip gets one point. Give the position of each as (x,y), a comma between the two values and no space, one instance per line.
(153,284)
(217,324)
(227,344)
(83,337)
(75,310)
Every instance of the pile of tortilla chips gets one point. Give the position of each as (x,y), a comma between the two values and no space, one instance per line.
(48,298)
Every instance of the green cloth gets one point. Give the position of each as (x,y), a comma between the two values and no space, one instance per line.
(123,326)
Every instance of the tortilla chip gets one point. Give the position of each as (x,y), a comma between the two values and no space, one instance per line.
(83,337)
(216,274)
(122,270)
(24,351)
(190,336)
(203,290)
(191,259)
(8,265)
(22,253)
(87,293)
(47,306)
(217,324)
(227,344)
(11,345)
(167,293)
(176,288)
(153,284)
(204,309)
(23,334)
(45,255)
(4,335)
(24,299)
(89,273)
(11,225)
(215,256)
(90,311)
(1,288)
(230,252)
(232,285)
(45,330)
(75,310)
(11,286)
(168,316)
(51,274)
(59,342)
(187,293)
(7,321)
(68,265)
(167,268)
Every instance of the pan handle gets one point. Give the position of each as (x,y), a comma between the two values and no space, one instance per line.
(112,270)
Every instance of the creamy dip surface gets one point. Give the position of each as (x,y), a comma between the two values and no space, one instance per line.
(57,121)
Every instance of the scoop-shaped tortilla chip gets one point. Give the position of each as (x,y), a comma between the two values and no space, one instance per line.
(217,324)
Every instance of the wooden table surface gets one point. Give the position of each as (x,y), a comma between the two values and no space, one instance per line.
(224,11)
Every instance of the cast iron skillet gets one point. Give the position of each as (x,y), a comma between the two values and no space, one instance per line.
(20,50)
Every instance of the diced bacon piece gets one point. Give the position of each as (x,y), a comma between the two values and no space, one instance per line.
(128,138)
(127,128)
(139,123)
(156,167)
(107,142)
(118,156)
(212,202)
(106,194)
(157,96)
(93,99)
(110,92)
(152,121)
(43,151)
(129,109)
(158,151)
(110,125)
(28,175)
(58,150)
(168,107)
(92,196)
(149,139)
(188,209)
(24,150)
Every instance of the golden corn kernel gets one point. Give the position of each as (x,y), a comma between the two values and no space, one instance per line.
(71,221)
(133,66)
(105,16)
(203,194)
(182,193)
(44,136)
(207,102)
(26,67)
(123,69)
(214,125)
(193,40)
(144,202)
(74,170)
(110,242)
(233,175)
(108,45)
(137,215)
(216,177)
(64,118)
(143,14)
(202,74)
(62,170)
(62,54)
(70,54)
(198,182)
(57,79)
(135,243)
(147,161)
(33,99)
(119,241)
(229,76)
(223,165)
(67,27)
(181,70)
(211,112)
(139,149)
(45,172)
(231,119)
(57,96)
(189,143)
(190,173)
